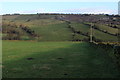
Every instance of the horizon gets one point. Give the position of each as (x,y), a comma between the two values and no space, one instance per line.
(57,14)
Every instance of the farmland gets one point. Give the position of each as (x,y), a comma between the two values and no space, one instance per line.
(49,27)
(58,46)
(57,60)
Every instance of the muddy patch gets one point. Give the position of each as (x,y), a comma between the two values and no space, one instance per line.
(30,58)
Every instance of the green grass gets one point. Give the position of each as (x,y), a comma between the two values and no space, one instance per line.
(10,17)
(51,29)
(57,32)
(80,37)
(54,32)
(37,22)
(103,36)
(78,60)
(108,29)
(0,58)
(80,27)
(97,34)
(57,59)
(34,20)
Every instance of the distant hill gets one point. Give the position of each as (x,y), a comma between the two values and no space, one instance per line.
(60,27)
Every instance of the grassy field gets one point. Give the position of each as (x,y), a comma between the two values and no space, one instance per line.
(54,32)
(80,27)
(54,54)
(103,36)
(96,33)
(107,28)
(30,59)
(51,29)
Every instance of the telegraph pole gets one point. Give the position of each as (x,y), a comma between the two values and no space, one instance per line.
(118,36)
(91,33)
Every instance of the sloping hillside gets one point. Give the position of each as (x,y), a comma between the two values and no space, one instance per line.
(61,27)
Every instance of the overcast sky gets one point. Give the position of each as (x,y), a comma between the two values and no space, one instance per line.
(92,6)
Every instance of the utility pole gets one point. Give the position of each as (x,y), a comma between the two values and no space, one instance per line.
(91,33)
(118,36)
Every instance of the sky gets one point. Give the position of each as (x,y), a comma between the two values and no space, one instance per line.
(30,7)
(59,0)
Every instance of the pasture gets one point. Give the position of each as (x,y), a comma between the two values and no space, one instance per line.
(51,29)
(57,46)
(31,59)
